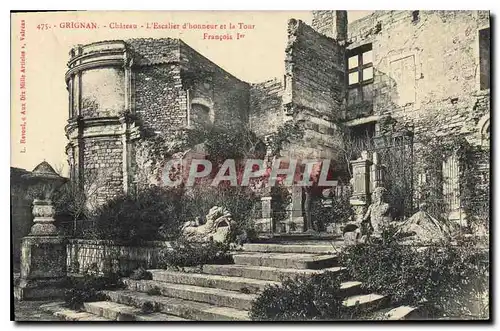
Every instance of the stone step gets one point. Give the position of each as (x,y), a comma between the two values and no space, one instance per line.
(238,284)
(209,295)
(392,313)
(160,317)
(338,244)
(191,310)
(351,288)
(286,260)
(120,312)
(401,313)
(291,248)
(264,273)
(298,237)
(65,314)
(366,302)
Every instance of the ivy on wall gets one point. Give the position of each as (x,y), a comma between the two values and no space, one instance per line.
(473,190)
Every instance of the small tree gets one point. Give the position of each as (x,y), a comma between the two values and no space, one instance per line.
(76,199)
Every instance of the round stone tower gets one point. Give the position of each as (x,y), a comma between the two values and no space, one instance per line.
(99,86)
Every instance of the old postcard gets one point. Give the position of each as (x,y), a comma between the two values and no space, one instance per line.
(323,165)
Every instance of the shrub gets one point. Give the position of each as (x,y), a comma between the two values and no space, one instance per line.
(339,213)
(448,277)
(154,213)
(149,307)
(141,274)
(75,298)
(154,291)
(186,254)
(314,297)
(87,289)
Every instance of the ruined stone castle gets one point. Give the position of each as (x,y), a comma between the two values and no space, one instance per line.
(412,72)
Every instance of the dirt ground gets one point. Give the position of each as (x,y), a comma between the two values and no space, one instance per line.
(26,311)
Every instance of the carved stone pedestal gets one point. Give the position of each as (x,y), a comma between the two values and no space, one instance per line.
(359,208)
(43,251)
(295,223)
(43,268)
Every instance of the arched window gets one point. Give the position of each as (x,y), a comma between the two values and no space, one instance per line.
(485,134)
(200,114)
(484,130)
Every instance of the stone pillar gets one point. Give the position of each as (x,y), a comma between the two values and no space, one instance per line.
(296,222)
(327,201)
(43,251)
(360,198)
(377,173)
(265,222)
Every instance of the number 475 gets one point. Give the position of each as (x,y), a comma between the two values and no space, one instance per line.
(43,26)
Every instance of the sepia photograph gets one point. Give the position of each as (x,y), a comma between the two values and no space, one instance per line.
(290,166)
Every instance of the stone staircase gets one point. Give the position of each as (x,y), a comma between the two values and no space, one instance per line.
(226,292)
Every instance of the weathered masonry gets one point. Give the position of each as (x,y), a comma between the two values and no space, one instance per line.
(389,74)
(403,75)
(114,85)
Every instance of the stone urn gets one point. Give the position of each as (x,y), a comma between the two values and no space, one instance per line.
(43,251)
(43,182)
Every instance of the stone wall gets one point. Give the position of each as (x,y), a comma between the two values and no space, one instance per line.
(314,88)
(175,87)
(149,51)
(158,98)
(20,211)
(266,110)
(224,95)
(315,68)
(425,79)
(103,256)
(170,78)
(331,23)
(103,92)
(102,160)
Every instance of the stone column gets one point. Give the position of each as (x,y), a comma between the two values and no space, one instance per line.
(296,221)
(43,251)
(264,223)
(377,172)
(360,198)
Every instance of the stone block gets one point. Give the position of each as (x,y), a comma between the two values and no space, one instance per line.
(287,260)
(214,281)
(43,268)
(200,311)
(43,257)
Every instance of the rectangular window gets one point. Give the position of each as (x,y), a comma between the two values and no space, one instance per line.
(484,58)
(360,65)
(359,79)
(353,78)
(353,62)
(368,73)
